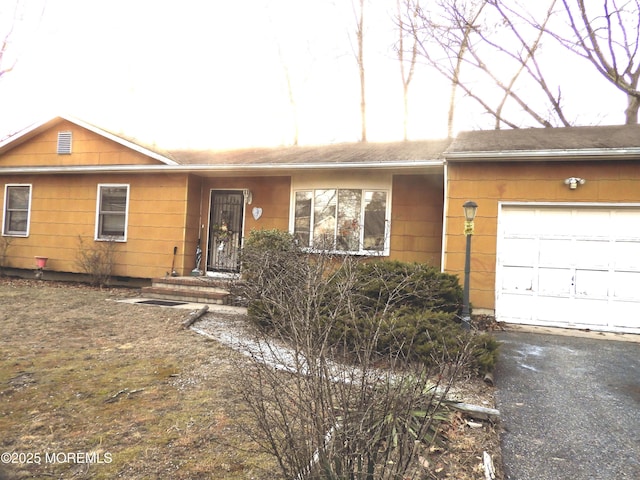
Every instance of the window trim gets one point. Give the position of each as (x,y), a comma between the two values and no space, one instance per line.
(97,236)
(385,251)
(5,231)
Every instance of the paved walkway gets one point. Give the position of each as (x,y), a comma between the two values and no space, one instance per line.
(570,407)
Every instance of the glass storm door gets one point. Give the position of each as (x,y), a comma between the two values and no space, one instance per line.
(225,231)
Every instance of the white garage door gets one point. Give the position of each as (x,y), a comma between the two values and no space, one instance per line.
(566,266)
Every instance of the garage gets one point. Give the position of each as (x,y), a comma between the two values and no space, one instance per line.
(572,266)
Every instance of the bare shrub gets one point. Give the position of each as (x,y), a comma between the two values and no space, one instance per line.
(5,243)
(328,403)
(97,261)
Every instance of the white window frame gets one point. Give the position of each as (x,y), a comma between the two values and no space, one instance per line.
(98,236)
(5,231)
(361,250)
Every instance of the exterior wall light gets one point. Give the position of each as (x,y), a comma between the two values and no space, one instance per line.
(573,182)
(470,209)
(248,196)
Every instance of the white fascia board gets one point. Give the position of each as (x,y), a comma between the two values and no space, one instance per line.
(566,154)
(26,131)
(175,168)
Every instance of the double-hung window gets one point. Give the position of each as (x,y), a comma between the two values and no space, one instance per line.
(342,219)
(112,208)
(17,209)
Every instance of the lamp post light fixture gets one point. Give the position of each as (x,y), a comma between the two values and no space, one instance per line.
(470,209)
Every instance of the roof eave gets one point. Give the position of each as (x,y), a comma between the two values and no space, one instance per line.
(79,169)
(122,141)
(541,155)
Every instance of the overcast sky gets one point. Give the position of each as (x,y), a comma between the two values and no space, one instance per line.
(198,73)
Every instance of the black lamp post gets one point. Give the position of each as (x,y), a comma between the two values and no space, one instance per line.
(470,209)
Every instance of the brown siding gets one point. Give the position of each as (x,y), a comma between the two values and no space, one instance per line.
(63,209)
(416,218)
(88,148)
(269,193)
(193,231)
(489,183)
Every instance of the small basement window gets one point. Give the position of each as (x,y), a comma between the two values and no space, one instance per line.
(64,143)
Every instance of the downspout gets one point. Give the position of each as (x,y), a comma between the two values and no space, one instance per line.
(200,224)
(445,206)
(199,268)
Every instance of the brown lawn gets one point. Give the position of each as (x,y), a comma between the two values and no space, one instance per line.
(94,388)
(121,385)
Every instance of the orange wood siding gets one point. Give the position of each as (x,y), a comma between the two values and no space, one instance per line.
(269,193)
(63,208)
(193,225)
(88,148)
(489,183)
(416,218)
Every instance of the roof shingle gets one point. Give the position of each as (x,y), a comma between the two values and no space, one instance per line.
(537,139)
(344,153)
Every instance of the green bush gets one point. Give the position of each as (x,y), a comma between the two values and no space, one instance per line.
(385,284)
(485,352)
(428,336)
(270,260)
(425,335)
(395,308)
(266,242)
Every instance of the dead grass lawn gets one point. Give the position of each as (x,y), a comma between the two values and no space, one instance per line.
(83,373)
(80,372)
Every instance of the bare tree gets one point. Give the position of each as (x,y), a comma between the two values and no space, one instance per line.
(292,99)
(455,78)
(471,42)
(6,65)
(525,57)
(607,34)
(19,14)
(4,68)
(488,46)
(406,75)
(359,54)
(293,104)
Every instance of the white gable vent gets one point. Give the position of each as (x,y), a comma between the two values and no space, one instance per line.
(64,143)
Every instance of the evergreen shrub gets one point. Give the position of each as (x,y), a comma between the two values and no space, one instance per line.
(409,309)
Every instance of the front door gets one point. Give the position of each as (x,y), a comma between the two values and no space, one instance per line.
(225,231)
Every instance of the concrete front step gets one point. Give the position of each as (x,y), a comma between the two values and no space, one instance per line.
(189,289)
(197,283)
(189,296)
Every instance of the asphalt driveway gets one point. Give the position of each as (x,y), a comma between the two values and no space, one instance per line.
(570,407)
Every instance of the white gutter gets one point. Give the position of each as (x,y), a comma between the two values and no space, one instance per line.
(565,154)
(78,169)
